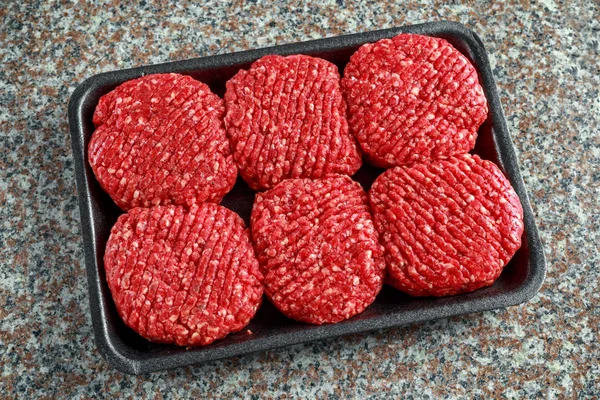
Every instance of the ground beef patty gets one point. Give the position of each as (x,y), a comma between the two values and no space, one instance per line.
(286,118)
(448,227)
(413,98)
(184,277)
(160,139)
(317,248)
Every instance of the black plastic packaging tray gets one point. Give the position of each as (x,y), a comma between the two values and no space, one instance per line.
(128,352)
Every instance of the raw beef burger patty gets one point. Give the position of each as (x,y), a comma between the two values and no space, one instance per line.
(317,248)
(413,98)
(448,227)
(160,140)
(286,118)
(184,277)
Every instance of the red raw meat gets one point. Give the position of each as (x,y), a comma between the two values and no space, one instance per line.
(413,98)
(448,226)
(286,118)
(183,277)
(159,140)
(317,248)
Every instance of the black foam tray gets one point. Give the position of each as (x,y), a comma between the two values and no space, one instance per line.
(128,352)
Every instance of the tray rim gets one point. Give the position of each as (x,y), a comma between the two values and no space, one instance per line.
(134,364)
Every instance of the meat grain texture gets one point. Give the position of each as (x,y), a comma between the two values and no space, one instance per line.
(448,226)
(413,98)
(160,140)
(286,118)
(317,248)
(183,277)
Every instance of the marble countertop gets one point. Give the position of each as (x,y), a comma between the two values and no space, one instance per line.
(545,58)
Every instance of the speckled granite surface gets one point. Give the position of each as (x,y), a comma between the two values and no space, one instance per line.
(545,58)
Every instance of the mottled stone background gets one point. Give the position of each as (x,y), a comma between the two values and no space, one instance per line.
(546,60)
